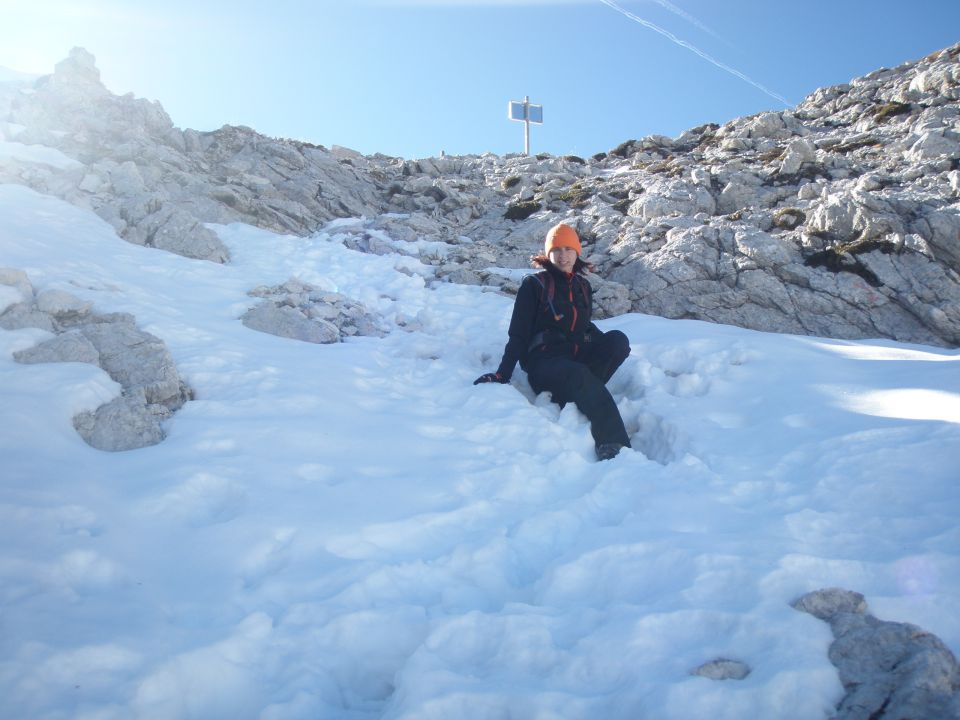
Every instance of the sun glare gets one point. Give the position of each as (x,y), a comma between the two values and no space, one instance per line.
(907,404)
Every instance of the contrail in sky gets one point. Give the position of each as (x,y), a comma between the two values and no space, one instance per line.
(683,43)
(687,16)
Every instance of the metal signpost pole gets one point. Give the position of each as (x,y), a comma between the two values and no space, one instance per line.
(528,114)
(526,124)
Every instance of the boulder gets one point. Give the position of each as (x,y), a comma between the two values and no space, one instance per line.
(140,362)
(124,423)
(889,670)
(288,322)
(137,359)
(299,311)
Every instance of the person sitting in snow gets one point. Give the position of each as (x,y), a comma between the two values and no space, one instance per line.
(561,350)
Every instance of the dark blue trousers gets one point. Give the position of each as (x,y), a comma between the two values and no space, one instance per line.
(583,380)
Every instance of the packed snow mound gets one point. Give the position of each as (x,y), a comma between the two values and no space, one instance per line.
(353,530)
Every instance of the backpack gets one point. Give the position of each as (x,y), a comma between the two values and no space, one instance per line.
(548,287)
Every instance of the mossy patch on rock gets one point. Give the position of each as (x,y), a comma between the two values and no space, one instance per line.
(576,196)
(771,155)
(522,210)
(856,145)
(789,218)
(842,257)
(884,112)
(668,167)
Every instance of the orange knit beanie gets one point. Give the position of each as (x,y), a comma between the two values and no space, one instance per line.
(562,236)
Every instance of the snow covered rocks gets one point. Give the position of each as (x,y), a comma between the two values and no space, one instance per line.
(140,362)
(158,185)
(889,670)
(300,311)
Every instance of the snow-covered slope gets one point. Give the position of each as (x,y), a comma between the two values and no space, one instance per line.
(8,75)
(355,531)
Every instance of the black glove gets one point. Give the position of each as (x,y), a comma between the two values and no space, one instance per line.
(490,377)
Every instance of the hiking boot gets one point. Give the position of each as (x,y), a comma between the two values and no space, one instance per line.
(608,451)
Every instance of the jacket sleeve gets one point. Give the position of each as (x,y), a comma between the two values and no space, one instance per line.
(521,326)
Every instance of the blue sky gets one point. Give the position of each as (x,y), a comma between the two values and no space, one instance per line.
(413,78)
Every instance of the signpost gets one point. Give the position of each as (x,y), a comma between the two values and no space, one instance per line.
(527,113)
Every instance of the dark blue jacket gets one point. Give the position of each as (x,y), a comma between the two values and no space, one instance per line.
(540,330)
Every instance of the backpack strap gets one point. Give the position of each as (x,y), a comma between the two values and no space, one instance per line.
(587,292)
(548,288)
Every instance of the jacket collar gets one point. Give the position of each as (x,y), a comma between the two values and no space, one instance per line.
(558,273)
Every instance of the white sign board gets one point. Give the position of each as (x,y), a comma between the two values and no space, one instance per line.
(525,112)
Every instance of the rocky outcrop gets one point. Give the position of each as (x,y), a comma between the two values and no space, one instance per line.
(838,218)
(152,390)
(890,671)
(157,184)
(299,311)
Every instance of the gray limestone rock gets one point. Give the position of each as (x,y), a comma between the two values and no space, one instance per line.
(124,423)
(18,280)
(25,315)
(723,669)
(140,362)
(830,602)
(609,298)
(289,322)
(68,347)
(299,311)
(19,309)
(63,307)
(774,222)
(890,670)
(137,359)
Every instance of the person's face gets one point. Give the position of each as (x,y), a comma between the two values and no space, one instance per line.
(564,258)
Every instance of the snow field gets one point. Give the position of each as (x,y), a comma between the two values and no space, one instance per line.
(356,531)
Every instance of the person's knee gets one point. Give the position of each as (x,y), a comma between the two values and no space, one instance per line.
(619,344)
